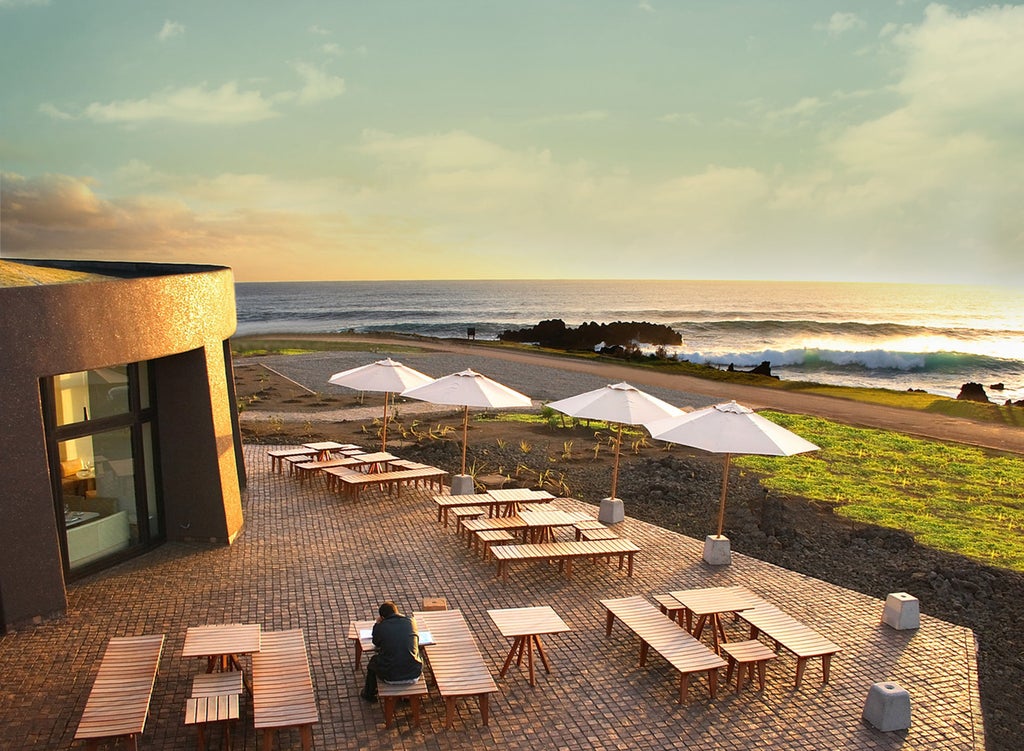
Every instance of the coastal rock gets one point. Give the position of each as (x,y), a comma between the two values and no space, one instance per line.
(973,392)
(764,369)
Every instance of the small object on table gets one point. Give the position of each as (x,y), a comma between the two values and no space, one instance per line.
(525,627)
(745,656)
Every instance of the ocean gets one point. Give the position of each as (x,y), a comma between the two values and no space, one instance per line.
(897,336)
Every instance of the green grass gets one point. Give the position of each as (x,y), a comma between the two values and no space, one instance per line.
(252,346)
(954,498)
(950,497)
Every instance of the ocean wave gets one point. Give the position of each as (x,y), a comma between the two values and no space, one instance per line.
(807,329)
(810,360)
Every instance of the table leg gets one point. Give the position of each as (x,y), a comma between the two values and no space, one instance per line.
(540,651)
(529,659)
(700,627)
(517,645)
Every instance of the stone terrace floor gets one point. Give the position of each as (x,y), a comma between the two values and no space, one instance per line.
(310,560)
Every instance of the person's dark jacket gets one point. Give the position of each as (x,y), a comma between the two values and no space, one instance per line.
(397,646)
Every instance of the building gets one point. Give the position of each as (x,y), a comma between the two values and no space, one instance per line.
(118,425)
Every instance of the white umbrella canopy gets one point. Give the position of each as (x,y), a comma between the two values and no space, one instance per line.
(386,375)
(467,389)
(729,428)
(618,403)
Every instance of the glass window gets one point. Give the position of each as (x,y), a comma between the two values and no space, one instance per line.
(104,439)
(98,489)
(91,394)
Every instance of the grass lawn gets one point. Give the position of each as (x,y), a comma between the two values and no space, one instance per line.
(951,497)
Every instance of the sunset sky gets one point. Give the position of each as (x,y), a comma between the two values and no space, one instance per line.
(754,139)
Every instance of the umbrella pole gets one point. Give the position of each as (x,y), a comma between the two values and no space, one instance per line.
(615,469)
(465,430)
(384,430)
(721,502)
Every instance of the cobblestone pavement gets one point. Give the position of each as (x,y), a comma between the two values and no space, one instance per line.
(309,560)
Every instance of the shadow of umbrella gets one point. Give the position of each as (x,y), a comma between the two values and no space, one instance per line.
(619,404)
(384,375)
(467,389)
(728,428)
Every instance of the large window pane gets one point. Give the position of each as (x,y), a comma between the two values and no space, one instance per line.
(98,489)
(91,394)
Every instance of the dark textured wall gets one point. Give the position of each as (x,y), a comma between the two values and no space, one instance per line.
(178,317)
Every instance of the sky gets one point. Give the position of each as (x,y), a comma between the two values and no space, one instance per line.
(806,140)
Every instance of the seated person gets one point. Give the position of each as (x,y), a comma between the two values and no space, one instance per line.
(396,658)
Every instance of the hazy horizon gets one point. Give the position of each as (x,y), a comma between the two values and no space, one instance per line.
(790,141)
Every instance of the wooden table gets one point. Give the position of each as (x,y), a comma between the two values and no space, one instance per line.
(539,524)
(525,626)
(324,448)
(515,496)
(362,645)
(221,644)
(708,604)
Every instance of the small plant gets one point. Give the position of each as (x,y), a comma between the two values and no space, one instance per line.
(525,447)
(502,443)
(567,450)
(641,443)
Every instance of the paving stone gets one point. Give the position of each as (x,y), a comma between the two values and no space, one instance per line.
(312,560)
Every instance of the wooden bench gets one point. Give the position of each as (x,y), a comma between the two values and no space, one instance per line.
(595,534)
(306,469)
(790,634)
(675,644)
(282,688)
(564,552)
(277,456)
(352,482)
(465,513)
(488,537)
(118,702)
(455,661)
(504,523)
(215,698)
(389,693)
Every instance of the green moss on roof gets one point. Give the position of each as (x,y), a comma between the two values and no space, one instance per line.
(24,275)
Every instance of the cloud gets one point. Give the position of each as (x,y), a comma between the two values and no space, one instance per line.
(191,104)
(202,105)
(61,216)
(319,31)
(169,30)
(318,85)
(21,3)
(55,112)
(840,23)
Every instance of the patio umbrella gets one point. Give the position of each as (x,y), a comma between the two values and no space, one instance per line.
(468,389)
(620,404)
(384,375)
(729,429)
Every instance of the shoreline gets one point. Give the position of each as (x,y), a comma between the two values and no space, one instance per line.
(991,436)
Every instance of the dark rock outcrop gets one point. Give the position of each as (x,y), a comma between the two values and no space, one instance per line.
(555,334)
(973,392)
